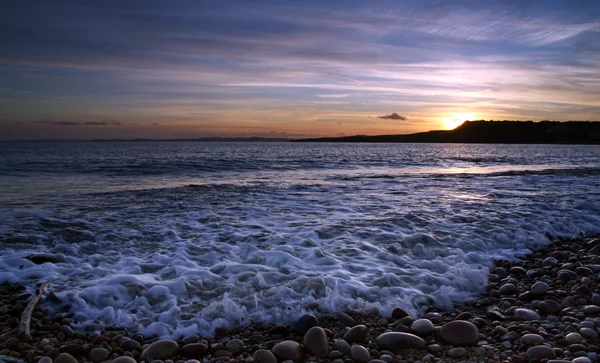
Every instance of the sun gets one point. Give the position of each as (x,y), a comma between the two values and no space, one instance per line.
(456,119)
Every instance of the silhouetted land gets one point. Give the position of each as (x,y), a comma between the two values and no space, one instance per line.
(494,132)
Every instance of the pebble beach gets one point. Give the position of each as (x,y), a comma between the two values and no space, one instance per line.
(544,307)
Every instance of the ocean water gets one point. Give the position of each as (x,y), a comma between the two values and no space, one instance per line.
(175,238)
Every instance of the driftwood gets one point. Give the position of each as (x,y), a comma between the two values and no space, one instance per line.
(24,332)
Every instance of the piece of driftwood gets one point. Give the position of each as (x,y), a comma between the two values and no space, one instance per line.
(24,332)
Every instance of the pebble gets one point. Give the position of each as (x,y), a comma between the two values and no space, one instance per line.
(123,359)
(341,346)
(459,332)
(539,288)
(65,358)
(305,323)
(532,339)
(581,360)
(527,314)
(399,313)
(235,345)
(360,354)
(588,333)
(288,350)
(457,352)
(508,289)
(422,327)
(195,350)
(394,341)
(573,338)
(345,319)
(356,334)
(541,352)
(316,342)
(98,354)
(161,349)
(264,356)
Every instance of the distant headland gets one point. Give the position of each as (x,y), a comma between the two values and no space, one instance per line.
(493,132)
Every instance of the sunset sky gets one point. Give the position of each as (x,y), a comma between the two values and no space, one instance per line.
(175,69)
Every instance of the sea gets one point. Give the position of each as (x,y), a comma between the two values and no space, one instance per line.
(177,238)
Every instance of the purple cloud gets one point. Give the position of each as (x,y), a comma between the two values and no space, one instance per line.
(393,116)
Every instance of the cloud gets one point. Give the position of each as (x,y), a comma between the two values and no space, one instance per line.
(393,116)
(79,123)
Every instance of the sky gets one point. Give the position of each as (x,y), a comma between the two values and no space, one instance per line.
(187,69)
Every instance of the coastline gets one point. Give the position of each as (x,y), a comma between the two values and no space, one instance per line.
(545,305)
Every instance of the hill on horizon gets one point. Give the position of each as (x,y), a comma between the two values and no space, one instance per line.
(500,132)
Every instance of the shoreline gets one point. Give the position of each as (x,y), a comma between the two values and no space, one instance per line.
(546,305)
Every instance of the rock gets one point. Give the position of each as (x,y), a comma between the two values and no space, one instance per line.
(581,360)
(162,349)
(315,341)
(539,288)
(457,352)
(527,314)
(264,356)
(591,310)
(235,345)
(549,307)
(541,352)
(65,358)
(566,275)
(99,354)
(550,262)
(12,344)
(129,344)
(517,270)
(341,346)
(360,354)
(44,360)
(395,342)
(357,334)
(508,289)
(588,333)
(123,359)
(509,336)
(422,327)
(305,323)
(399,313)
(195,350)
(464,316)
(279,330)
(459,332)
(573,338)
(289,350)
(532,339)
(434,348)
(345,319)
(66,330)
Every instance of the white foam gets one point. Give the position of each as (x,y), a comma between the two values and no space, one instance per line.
(190,260)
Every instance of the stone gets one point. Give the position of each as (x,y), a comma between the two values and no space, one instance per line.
(588,333)
(316,342)
(550,262)
(539,288)
(99,354)
(129,344)
(434,348)
(508,289)
(540,352)
(235,345)
(66,330)
(532,339)
(549,307)
(161,350)
(399,313)
(45,360)
(581,360)
(288,350)
(341,346)
(305,323)
(264,356)
(460,332)
(573,338)
(12,344)
(360,354)
(591,310)
(456,352)
(75,350)
(195,350)
(527,314)
(595,299)
(394,341)
(65,358)
(422,327)
(357,334)
(123,359)
(345,319)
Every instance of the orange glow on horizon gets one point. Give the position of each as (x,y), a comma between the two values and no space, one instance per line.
(456,119)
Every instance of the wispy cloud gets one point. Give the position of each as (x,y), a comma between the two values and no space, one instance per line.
(79,123)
